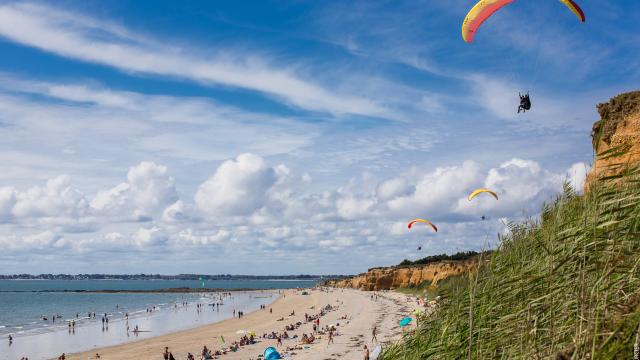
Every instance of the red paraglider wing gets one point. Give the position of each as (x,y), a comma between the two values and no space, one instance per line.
(422,221)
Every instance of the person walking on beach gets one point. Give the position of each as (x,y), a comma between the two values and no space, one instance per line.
(165,355)
(10,339)
(374,332)
(330,337)
(366,353)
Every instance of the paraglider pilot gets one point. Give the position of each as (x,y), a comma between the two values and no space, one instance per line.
(525,103)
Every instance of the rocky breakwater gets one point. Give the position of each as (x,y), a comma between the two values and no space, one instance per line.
(405,276)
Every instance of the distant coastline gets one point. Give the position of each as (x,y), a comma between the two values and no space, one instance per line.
(193,277)
(143,291)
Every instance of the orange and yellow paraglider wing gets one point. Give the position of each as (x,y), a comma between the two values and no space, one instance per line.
(478,14)
(476,192)
(415,221)
(575,8)
(422,221)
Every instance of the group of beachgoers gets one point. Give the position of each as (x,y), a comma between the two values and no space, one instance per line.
(240,314)
(250,338)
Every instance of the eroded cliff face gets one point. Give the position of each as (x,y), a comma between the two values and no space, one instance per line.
(395,277)
(616,137)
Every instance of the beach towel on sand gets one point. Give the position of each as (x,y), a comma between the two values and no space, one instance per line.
(376,352)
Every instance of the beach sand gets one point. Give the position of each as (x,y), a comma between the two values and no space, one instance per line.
(362,312)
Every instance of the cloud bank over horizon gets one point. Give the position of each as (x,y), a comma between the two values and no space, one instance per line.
(256,208)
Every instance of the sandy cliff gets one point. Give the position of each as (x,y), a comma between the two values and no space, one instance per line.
(616,137)
(395,277)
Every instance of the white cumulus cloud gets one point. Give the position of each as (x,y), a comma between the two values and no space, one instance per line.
(56,199)
(148,190)
(238,187)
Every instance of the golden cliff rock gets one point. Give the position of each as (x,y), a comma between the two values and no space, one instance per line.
(401,276)
(616,138)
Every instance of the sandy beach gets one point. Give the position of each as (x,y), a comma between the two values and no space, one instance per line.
(361,311)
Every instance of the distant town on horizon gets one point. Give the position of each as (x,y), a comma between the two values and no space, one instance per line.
(163,277)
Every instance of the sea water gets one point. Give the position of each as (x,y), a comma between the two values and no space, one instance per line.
(25,303)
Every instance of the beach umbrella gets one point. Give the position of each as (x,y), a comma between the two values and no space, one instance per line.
(406,321)
(271,353)
(417,312)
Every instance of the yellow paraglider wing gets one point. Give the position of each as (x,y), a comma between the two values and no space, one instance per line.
(478,14)
(422,221)
(575,8)
(476,192)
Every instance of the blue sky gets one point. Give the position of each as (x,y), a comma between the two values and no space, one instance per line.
(282,137)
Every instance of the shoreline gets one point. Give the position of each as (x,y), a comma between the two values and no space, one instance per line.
(166,319)
(354,313)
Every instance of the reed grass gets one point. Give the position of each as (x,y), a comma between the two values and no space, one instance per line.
(563,286)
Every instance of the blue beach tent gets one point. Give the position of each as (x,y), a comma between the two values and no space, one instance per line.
(271,353)
(404,322)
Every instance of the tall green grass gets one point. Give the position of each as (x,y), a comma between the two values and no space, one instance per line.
(427,291)
(566,286)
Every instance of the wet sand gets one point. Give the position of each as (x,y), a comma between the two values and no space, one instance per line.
(353,333)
